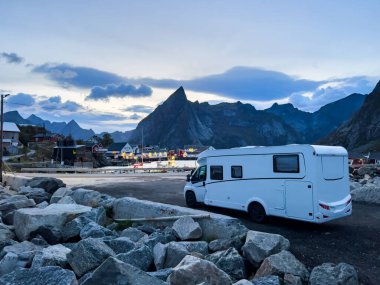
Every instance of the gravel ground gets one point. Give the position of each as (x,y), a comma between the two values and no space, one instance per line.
(354,239)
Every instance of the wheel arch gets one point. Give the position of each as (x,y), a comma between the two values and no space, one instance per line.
(256,200)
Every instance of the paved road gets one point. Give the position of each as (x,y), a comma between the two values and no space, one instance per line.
(355,239)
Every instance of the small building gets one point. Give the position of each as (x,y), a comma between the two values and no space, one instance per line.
(116,150)
(11,135)
(47,137)
(194,150)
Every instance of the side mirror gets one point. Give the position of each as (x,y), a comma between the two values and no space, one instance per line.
(188,178)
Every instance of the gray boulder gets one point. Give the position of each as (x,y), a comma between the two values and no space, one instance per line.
(38,276)
(49,184)
(331,274)
(97,215)
(267,280)
(283,263)
(59,194)
(165,236)
(243,282)
(55,255)
(86,197)
(193,270)
(290,279)
(19,255)
(187,229)
(94,230)
(39,195)
(140,257)
(49,233)
(120,245)
(42,205)
(259,245)
(133,234)
(174,254)
(12,203)
(195,246)
(72,229)
(161,274)
(66,200)
(5,233)
(114,271)
(230,262)
(87,255)
(159,255)
(56,215)
(224,244)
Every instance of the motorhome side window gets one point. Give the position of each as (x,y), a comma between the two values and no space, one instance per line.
(236,171)
(286,163)
(216,172)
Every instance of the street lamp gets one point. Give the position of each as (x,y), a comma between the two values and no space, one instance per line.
(1,135)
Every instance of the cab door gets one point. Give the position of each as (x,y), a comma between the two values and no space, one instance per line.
(198,181)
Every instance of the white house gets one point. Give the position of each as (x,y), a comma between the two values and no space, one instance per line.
(11,135)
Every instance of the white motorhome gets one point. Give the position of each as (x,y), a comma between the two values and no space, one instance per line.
(303,182)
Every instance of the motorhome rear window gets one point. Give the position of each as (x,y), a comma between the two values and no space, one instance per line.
(286,163)
(216,172)
(236,171)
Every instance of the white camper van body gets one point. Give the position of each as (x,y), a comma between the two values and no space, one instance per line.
(303,182)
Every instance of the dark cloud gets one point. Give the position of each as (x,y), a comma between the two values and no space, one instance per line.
(120,91)
(135,117)
(55,103)
(139,109)
(243,83)
(21,99)
(11,57)
(84,77)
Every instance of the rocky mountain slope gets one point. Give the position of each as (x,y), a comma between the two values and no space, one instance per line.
(363,129)
(178,121)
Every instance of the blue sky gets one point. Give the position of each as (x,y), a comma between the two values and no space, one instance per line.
(107,64)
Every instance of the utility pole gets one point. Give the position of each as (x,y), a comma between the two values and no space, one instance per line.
(1,135)
(142,145)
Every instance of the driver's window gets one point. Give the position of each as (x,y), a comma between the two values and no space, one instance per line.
(195,176)
(202,173)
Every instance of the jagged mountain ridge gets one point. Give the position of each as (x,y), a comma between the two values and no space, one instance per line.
(178,121)
(362,131)
(72,128)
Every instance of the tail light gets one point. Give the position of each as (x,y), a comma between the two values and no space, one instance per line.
(324,206)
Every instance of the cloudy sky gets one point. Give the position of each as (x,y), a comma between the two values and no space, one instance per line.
(107,64)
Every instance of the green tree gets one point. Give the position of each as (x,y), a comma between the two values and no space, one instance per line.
(107,140)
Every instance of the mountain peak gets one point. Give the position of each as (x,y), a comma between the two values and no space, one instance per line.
(179,94)
(377,88)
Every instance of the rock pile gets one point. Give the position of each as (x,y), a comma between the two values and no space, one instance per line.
(70,237)
(366,188)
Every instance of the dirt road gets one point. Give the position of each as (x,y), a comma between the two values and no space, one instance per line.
(354,240)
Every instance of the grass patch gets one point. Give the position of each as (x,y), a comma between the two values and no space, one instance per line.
(123,225)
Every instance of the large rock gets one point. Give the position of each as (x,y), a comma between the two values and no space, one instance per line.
(224,244)
(230,262)
(49,184)
(40,276)
(215,227)
(140,257)
(19,255)
(86,197)
(12,203)
(66,200)
(114,271)
(163,236)
(162,274)
(39,195)
(331,274)
(59,194)
(174,254)
(49,233)
(290,279)
(94,230)
(267,280)
(120,245)
(259,245)
(97,215)
(133,234)
(159,255)
(55,255)
(195,246)
(56,215)
(5,233)
(369,193)
(87,255)
(282,263)
(187,229)
(72,229)
(193,270)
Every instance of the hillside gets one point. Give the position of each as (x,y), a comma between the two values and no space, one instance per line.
(363,129)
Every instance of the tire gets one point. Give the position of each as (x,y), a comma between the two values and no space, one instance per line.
(191,200)
(257,213)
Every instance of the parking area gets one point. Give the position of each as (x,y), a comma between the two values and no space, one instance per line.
(354,240)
